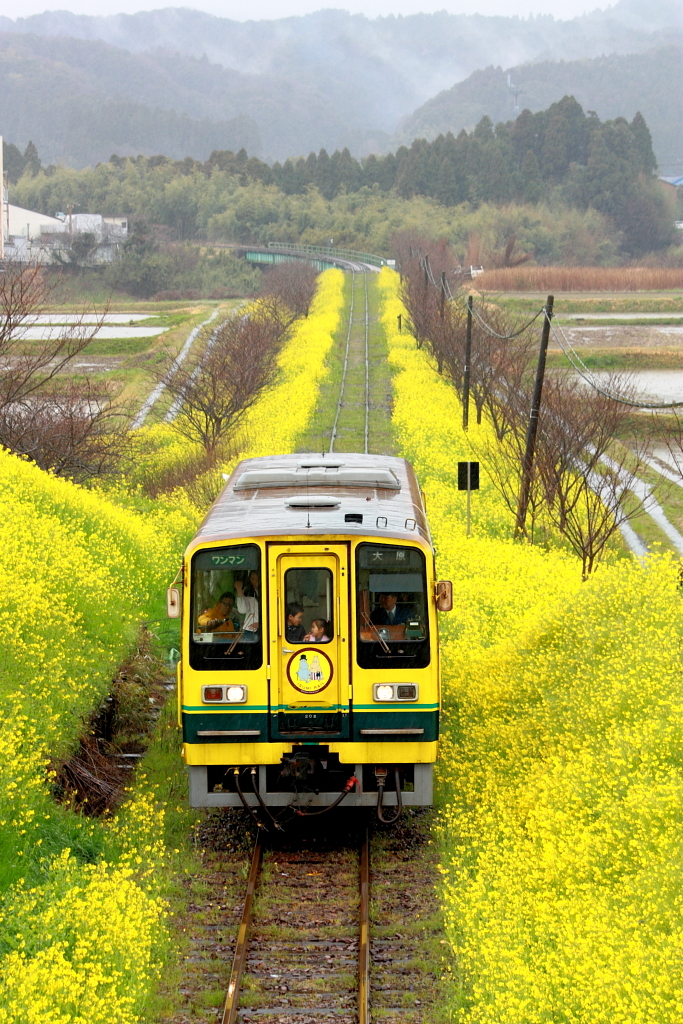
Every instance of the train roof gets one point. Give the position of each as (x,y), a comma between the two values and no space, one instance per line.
(310,495)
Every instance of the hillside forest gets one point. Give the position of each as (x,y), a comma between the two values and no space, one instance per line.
(564,186)
(183,82)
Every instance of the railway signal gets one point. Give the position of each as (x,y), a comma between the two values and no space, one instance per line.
(468,480)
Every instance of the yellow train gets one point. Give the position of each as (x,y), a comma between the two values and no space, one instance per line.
(309,670)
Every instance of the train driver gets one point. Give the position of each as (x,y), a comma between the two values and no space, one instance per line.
(388,613)
(221,618)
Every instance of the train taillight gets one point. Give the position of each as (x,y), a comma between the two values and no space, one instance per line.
(212,693)
(395,691)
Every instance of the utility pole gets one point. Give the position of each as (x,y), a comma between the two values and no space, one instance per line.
(528,458)
(466,373)
(442,303)
(2,200)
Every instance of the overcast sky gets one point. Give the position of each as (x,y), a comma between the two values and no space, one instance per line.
(258,9)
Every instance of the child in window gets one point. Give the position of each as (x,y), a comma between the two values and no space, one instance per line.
(294,631)
(318,632)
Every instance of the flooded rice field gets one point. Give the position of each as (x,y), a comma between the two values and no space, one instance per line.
(652,385)
(50,333)
(619,316)
(89,317)
(621,336)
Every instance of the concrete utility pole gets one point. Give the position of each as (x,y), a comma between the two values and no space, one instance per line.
(532,429)
(2,203)
(466,372)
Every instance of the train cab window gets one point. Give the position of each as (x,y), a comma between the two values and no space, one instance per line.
(308,606)
(226,608)
(392,606)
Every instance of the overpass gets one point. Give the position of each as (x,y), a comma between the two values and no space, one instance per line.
(319,255)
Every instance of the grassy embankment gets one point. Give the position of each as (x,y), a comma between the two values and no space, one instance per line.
(560,782)
(83,932)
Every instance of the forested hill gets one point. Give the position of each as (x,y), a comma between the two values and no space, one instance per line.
(560,157)
(614,86)
(328,79)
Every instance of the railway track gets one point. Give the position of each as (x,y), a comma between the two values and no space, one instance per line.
(308,949)
(344,402)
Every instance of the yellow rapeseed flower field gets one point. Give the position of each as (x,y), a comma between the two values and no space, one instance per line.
(561,770)
(80,922)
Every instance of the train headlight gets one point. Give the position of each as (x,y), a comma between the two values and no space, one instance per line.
(212,694)
(236,694)
(384,691)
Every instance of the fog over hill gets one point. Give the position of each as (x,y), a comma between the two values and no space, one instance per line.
(614,86)
(184,82)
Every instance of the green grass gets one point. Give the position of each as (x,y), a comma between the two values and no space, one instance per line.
(625,359)
(567,302)
(117,347)
(351,425)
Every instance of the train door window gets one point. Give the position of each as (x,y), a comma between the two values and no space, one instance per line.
(225,597)
(308,606)
(392,606)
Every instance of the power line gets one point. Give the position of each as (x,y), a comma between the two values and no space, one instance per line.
(586,374)
(564,343)
(487,328)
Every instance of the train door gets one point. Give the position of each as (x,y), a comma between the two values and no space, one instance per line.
(309,641)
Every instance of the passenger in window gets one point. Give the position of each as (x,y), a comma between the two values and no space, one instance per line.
(221,618)
(248,608)
(388,612)
(318,632)
(253,587)
(294,631)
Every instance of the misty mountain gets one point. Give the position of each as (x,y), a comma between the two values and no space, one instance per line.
(183,82)
(614,86)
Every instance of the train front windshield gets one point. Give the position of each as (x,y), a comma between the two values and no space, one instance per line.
(226,608)
(392,606)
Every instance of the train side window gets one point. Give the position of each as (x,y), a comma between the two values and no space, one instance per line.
(308,606)
(392,606)
(226,608)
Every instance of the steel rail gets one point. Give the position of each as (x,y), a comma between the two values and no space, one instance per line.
(231,1007)
(364,943)
(239,961)
(346,363)
(367,365)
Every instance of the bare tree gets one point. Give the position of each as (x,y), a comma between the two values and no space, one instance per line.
(292,286)
(422,263)
(75,429)
(32,353)
(591,480)
(668,430)
(214,389)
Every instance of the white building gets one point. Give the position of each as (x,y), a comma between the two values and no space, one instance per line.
(30,225)
(35,237)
